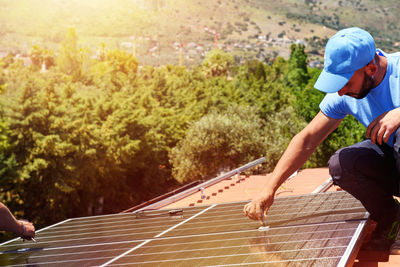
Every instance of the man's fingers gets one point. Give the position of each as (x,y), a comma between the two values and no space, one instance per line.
(380,129)
(29,229)
(384,134)
(259,213)
(379,135)
(368,133)
(371,127)
(254,211)
(247,210)
(374,133)
(387,135)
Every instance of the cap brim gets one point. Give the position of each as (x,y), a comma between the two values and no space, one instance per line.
(331,83)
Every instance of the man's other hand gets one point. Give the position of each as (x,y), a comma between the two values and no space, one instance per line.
(380,129)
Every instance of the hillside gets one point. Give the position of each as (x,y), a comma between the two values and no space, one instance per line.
(154,29)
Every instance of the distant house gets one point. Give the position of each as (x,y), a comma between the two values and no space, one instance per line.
(192,45)
(126,44)
(26,60)
(301,42)
(315,64)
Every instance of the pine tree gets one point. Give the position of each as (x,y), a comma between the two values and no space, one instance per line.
(298,75)
(71,57)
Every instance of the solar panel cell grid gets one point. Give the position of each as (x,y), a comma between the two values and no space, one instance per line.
(309,230)
(242,244)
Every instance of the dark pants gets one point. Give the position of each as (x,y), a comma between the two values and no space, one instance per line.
(370,173)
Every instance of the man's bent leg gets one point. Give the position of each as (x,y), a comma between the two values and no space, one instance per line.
(368,172)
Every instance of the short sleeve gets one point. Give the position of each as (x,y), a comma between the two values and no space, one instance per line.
(332,106)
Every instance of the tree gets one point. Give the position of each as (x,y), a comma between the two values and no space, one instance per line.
(8,162)
(218,142)
(44,171)
(297,75)
(2,78)
(41,56)
(217,63)
(280,128)
(306,98)
(116,71)
(72,59)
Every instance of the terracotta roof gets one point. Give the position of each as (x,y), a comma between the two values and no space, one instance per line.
(242,188)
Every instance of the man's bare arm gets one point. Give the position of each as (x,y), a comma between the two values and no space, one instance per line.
(299,150)
(8,223)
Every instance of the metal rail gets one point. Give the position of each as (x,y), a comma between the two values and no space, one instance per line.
(204,185)
(163,196)
(324,187)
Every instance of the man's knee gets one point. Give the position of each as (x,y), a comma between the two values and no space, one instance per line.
(344,168)
(357,162)
(349,162)
(335,169)
(344,159)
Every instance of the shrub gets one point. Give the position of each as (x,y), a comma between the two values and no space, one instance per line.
(218,142)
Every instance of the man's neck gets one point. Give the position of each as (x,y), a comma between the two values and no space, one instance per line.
(381,62)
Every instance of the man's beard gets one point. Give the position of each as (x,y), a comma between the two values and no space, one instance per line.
(366,87)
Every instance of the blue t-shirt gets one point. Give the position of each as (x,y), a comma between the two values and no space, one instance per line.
(384,97)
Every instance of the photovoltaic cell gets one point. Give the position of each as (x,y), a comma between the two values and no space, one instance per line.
(308,230)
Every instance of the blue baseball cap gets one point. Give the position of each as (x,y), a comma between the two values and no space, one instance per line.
(346,52)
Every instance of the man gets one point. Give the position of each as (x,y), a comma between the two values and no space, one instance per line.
(24,229)
(364,82)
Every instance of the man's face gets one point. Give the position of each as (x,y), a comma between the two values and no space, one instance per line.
(359,85)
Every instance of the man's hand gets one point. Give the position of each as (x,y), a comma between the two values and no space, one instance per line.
(27,230)
(258,208)
(383,126)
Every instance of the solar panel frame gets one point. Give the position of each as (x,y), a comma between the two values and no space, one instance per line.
(210,231)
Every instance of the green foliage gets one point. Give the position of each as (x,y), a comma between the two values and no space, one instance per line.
(297,75)
(349,132)
(280,128)
(36,124)
(307,98)
(72,59)
(2,78)
(116,70)
(41,56)
(91,136)
(218,142)
(260,72)
(8,162)
(217,63)
(7,159)
(80,150)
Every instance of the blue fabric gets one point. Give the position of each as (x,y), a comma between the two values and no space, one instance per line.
(347,51)
(383,98)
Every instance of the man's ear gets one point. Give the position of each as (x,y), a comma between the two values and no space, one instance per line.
(371,68)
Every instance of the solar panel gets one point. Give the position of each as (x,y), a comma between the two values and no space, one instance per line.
(309,230)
